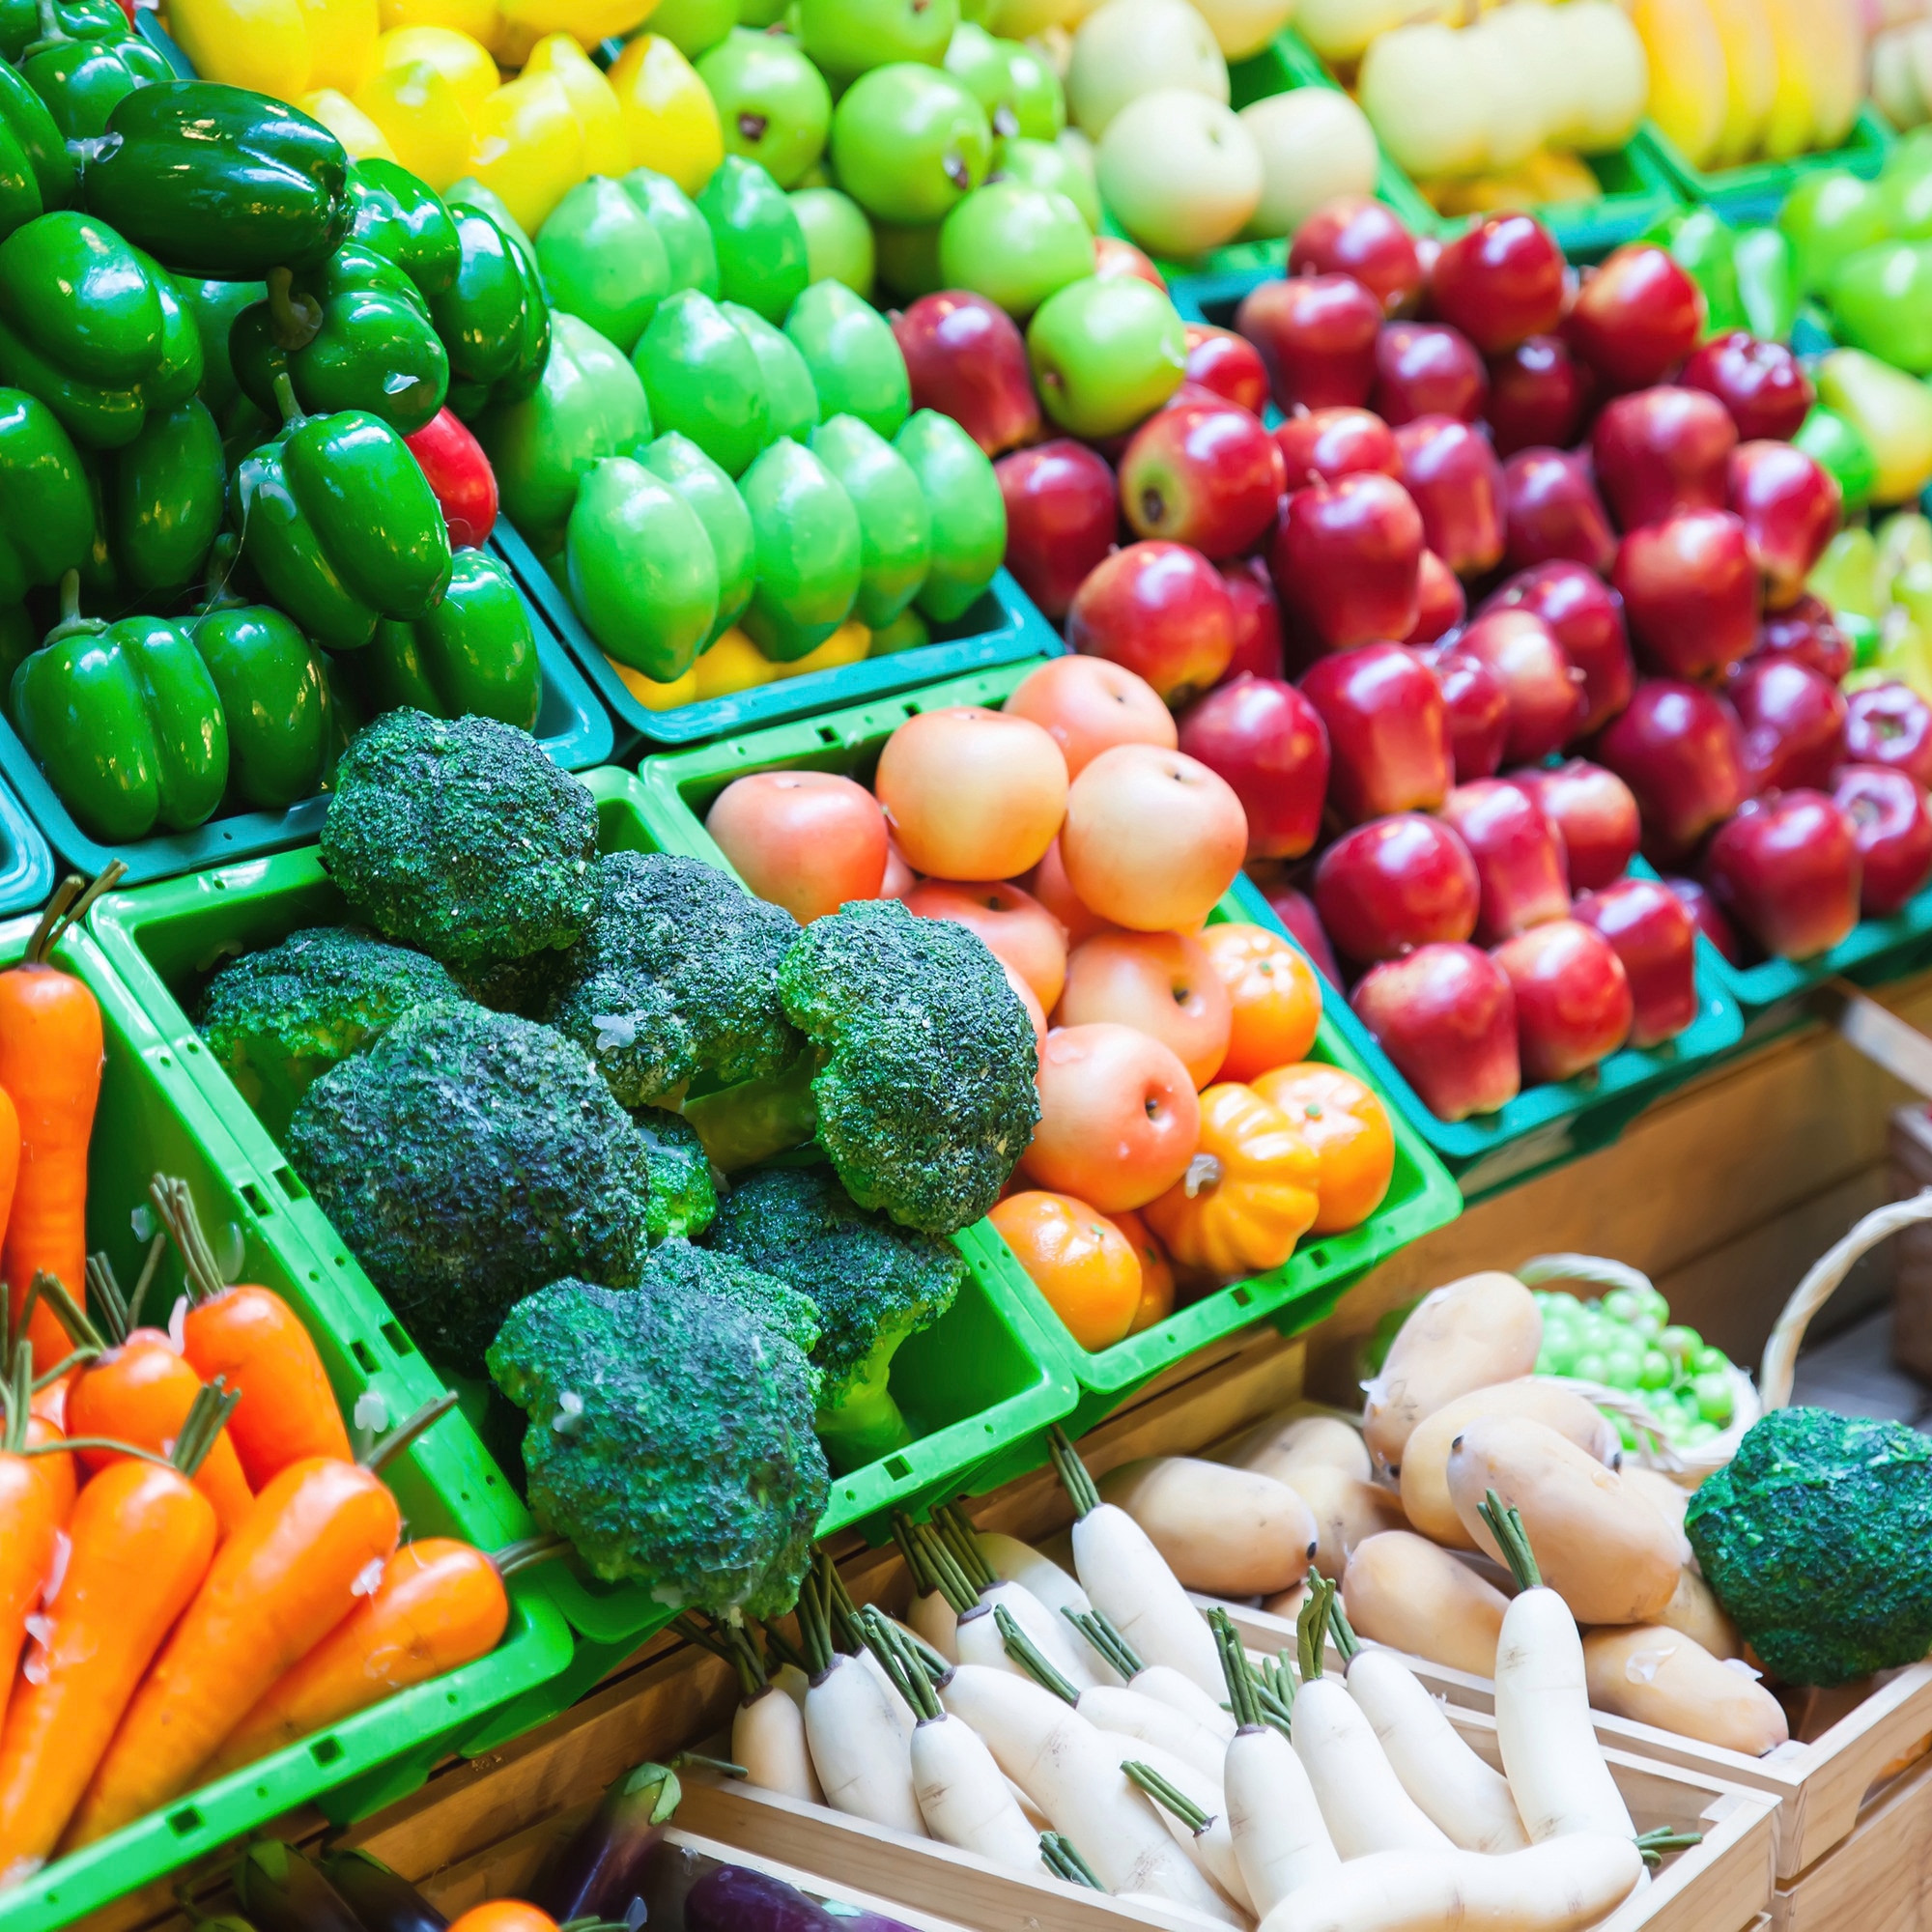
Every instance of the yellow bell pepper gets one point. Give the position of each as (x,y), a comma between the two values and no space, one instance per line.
(587,21)
(341,35)
(653,695)
(476,18)
(419,112)
(734,663)
(361,140)
(283,47)
(668,112)
(846,645)
(464,63)
(528,149)
(607,147)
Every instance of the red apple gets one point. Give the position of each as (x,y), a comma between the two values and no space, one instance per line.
(1588,621)
(1650,931)
(1206,474)
(1500,282)
(1551,510)
(1786,868)
(1890,725)
(1161,609)
(1545,691)
(1355,235)
(1793,723)
(1707,917)
(1346,556)
(1062,514)
(1479,712)
(1894,828)
(1446,1017)
(1297,911)
(1681,749)
(1539,395)
(1595,814)
(1636,317)
(1808,631)
(1789,503)
(1257,620)
(1426,369)
(1386,888)
(1269,742)
(1388,731)
(1661,451)
(1690,592)
(1761,384)
(1337,442)
(1441,602)
(1573,998)
(1519,857)
(1453,475)
(1114,259)
(1228,364)
(967,359)
(1316,335)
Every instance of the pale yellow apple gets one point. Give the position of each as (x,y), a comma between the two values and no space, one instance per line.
(1244,27)
(1315,145)
(1427,100)
(1129,47)
(1179,171)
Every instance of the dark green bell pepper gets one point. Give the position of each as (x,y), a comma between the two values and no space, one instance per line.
(493,320)
(36,172)
(161,503)
(21,24)
(214,305)
(405,220)
(47,510)
(124,722)
(83,80)
(216,181)
(339,524)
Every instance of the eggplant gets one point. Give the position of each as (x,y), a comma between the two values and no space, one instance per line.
(281,1890)
(600,1872)
(382,1900)
(733,1898)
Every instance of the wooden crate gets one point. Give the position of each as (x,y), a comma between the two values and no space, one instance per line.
(1877,1880)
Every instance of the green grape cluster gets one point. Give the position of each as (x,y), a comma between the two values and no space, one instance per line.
(1628,1341)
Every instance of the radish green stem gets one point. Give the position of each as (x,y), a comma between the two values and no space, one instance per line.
(1655,1843)
(841,1617)
(1166,1795)
(717,1764)
(1066,1863)
(1343,1632)
(912,1549)
(903,1666)
(956,1529)
(780,1646)
(733,1645)
(1274,1688)
(1020,1649)
(1506,1526)
(1115,1651)
(815,1631)
(952,1583)
(1311,1627)
(1072,1473)
(1241,1698)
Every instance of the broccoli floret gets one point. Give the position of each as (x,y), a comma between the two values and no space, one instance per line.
(468,1157)
(1817,1538)
(874,1284)
(927,1060)
(521,987)
(459,835)
(280,1018)
(683,1195)
(676,1267)
(670,1439)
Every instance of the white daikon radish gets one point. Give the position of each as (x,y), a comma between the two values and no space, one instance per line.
(1159,1681)
(933,1618)
(1021,1563)
(1228,1531)
(768,1728)
(1195,1811)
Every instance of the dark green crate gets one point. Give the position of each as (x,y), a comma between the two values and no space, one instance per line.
(1755,190)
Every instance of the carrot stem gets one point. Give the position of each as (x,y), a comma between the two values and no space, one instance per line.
(404,1433)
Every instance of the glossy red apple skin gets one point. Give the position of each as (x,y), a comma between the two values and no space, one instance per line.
(1539,395)
(1545,691)
(1680,748)
(967,359)
(1519,857)
(1636,317)
(1761,384)
(1587,618)
(1595,815)
(1160,610)
(1271,745)
(1793,723)
(1890,725)
(1656,938)
(1573,1007)
(1551,511)
(1445,1015)
(1790,506)
(1388,731)
(1297,911)
(1062,514)
(1331,444)
(1206,473)
(1500,282)
(1708,916)
(1426,369)
(1479,712)
(1228,364)
(1451,471)
(1441,603)
(1395,884)
(1257,620)
(1346,558)
(1808,631)
(1316,336)
(1661,451)
(1115,258)
(1894,827)
(1690,592)
(1786,869)
(1354,234)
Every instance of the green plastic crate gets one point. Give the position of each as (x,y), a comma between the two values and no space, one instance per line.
(153,1117)
(26,861)
(1755,190)
(1421,1196)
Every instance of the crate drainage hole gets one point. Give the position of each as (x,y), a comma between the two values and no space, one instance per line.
(252,1194)
(365,1358)
(397,1340)
(185,1823)
(827,735)
(1242,1297)
(898,1467)
(285,1179)
(1319,1256)
(326,1750)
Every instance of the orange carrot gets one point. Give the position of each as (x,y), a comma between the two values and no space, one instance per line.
(28,1520)
(253,1340)
(503,1915)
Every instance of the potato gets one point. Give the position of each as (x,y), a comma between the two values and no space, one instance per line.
(1348,1511)
(1604,1549)
(1694,1609)
(1403,1591)
(1425,1463)
(1472,1334)
(1657,1676)
(1671,1498)
(1228,1532)
(1278,1448)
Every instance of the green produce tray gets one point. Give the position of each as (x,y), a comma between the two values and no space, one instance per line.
(1001,627)
(154,1116)
(26,863)
(1755,190)
(1421,1196)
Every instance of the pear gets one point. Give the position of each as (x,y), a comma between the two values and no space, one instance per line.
(791,402)
(1243,28)
(689,249)
(1847,575)
(1316,146)
(1750,77)
(1607,56)
(1341,31)
(895,524)
(1890,410)
(1904,540)
(1689,93)
(712,494)
(1129,47)
(703,379)
(856,363)
(1427,100)
(969,513)
(1181,172)
(640,568)
(1894,79)
(808,548)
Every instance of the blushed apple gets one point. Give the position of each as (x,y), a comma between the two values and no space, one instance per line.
(1356,236)
(1161,609)
(1786,869)
(1551,511)
(1441,603)
(1680,748)
(1659,451)
(1690,592)
(1346,556)
(1445,1015)
(1088,706)
(1808,631)
(1894,829)
(1271,745)
(1500,282)
(1587,618)
(1519,857)
(1426,368)
(1890,725)
(1478,705)
(1335,442)
(1763,384)
(1793,723)
(1708,916)
(1457,483)
(1539,395)
(1388,731)
(1573,1007)
(1649,930)
(1636,317)
(967,359)
(1316,335)
(1258,641)
(1062,514)
(1395,884)
(1789,504)
(1595,815)
(1228,364)
(1545,691)
(1204,474)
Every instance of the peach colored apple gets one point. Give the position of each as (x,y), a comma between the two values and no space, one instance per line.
(1016,926)
(1118,1116)
(1162,982)
(971,793)
(807,840)
(1089,705)
(901,878)
(1030,1000)
(1047,882)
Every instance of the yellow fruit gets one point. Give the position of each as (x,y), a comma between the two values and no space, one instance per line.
(847,645)
(476,18)
(529,149)
(734,663)
(1791,127)
(668,114)
(261,44)
(1840,81)
(607,148)
(1560,178)
(655,697)
(589,21)
(361,140)
(418,110)
(341,42)
(1751,73)
(1688,86)
(464,63)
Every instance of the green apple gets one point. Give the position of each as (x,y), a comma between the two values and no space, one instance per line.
(909,143)
(1828,219)
(852,36)
(1890,410)
(774,107)
(838,237)
(1105,354)
(694,27)
(1019,91)
(1839,446)
(1904,540)
(1180,172)
(908,259)
(1047,165)
(1882,300)
(1129,47)
(1016,245)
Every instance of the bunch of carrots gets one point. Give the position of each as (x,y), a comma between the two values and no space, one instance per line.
(195,1567)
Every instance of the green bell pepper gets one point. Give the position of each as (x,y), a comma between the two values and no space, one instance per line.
(339,524)
(47,510)
(93,327)
(1767,270)
(493,319)
(220,182)
(1703,245)
(124,722)
(36,173)
(403,218)
(83,80)
(21,25)
(161,503)
(214,305)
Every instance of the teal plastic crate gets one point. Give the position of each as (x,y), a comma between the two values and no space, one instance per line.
(1755,190)
(26,861)
(153,1117)
(1421,1195)
(1001,626)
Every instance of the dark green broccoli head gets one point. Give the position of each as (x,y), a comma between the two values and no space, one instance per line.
(280,1018)
(468,1157)
(874,1284)
(521,987)
(1817,1538)
(676,1267)
(458,835)
(676,978)
(683,1195)
(670,1439)
(927,1060)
